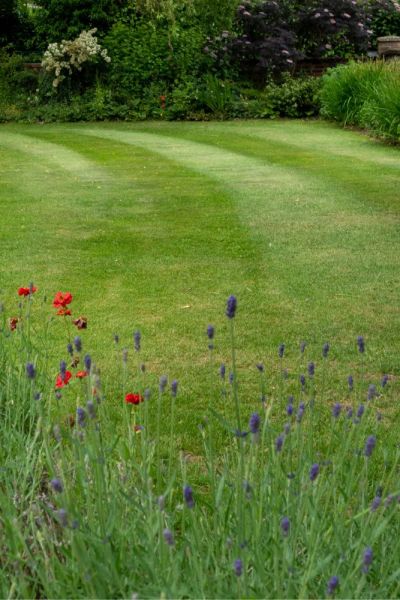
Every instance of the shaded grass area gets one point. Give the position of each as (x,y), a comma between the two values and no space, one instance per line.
(153,225)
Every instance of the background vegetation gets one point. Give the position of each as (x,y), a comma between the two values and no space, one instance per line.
(182,60)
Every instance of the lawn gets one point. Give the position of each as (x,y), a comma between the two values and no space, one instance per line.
(152,225)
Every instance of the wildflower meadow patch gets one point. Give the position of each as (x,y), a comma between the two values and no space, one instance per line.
(293,495)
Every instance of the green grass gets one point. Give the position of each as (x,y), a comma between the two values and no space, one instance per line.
(153,225)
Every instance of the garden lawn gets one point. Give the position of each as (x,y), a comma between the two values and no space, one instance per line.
(152,225)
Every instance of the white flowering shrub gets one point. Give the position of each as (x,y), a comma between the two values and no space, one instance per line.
(64,58)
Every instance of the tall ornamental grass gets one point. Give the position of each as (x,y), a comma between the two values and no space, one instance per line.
(302,502)
(365,94)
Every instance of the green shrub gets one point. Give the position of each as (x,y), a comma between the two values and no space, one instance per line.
(365,94)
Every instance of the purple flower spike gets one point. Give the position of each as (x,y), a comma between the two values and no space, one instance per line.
(360,411)
(367,559)
(361,344)
(311,369)
(81,416)
(289,409)
(333,583)
(62,517)
(279,443)
(369,445)
(372,393)
(302,381)
(88,362)
(174,388)
(336,410)
(78,343)
(314,472)
(168,537)
(57,485)
(349,413)
(70,349)
(188,496)
(285,526)
(63,368)
(254,423)
(376,503)
(350,381)
(238,567)
(210,332)
(137,336)
(325,350)
(163,383)
(222,371)
(281,350)
(384,381)
(30,370)
(231,306)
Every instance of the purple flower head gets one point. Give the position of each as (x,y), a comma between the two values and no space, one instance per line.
(367,559)
(360,411)
(30,370)
(254,423)
(162,384)
(281,350)
(303,346)
(174,388)
(361,344)
(168,537)
(70,349)
(314,472)
(325,349)
(87,362)
(238,567)
(78,343)
(369,445)
(300,412)
(91,409)
(336,410)
(210,332)
(137,336)
(311,369)
(302,380)
(279,443)
(62,517)
(384,381)
(188,496)
(222,371)
(240,434)
(289,409)
(333,583)
(349,413)
(63,368)
(376,503)
(231,377)
(372,393)
(231,306)
(260,367)
(285,526)
(81,416)
(57,485)
(350,381)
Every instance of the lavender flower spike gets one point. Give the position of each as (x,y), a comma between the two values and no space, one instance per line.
(376,503)
(336,410)
(88,362)
(222,371)
(361,344)
(78,343)
(30,370)
(57,485)
(281,350)
(325,350)
(174,388)
(285,526)
(210,332)
(372,393)
(314,472)
(254,423)
(188,496)
(231,306)
(311,369)
(238,567)
(333,583)
(369,445)
(350,381)
(137,336)
(279,443)
(163,383)
(168,537)
(367,559)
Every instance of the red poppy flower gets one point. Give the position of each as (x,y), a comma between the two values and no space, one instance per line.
(133,398)
(64,312)
(25,291)
(61,299)
(13,323)
(81,374)
(60,382)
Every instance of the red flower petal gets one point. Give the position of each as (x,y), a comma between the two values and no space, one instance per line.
(60,382)
(133,399)
(81,374)
(61,299)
